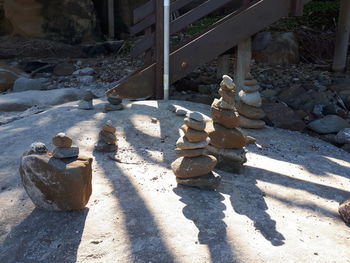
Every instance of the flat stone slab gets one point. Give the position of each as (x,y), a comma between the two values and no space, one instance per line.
(20,101)
(283,207)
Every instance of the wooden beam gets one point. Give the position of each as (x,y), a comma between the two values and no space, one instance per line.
(111,22)
(342,39)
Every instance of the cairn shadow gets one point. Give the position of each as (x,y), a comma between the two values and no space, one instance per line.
(206,210)
(247,199)
(45,236)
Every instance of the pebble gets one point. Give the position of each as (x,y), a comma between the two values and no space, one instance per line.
(108,127)
(252,99)
(187,167)
(114,100)
(210,181)
(84,71)
(107,137)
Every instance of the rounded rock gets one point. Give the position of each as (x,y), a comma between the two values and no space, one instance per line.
(187,167)
(62,140)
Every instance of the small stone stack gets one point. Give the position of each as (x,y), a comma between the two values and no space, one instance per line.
(249,105)
(107,138)
(86,100)
(226,141)
(115,103)
(64,147)
(193,167)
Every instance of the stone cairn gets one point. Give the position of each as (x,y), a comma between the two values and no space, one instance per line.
(107,139)
(193,167)
(86,100)
(58,180)
(226,141)
(249,105)
(115,103)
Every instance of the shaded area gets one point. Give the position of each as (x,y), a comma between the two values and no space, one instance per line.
(45,237)
(206,210)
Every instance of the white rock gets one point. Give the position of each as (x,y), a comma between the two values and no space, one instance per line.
(24,84)
(252,99)
(228,82)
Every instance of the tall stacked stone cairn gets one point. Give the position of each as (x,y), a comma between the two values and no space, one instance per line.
(193,167)
(249,105)
(107,139)
(58,180)
(115,103)
(226,141)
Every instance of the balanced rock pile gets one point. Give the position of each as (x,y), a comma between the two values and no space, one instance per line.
(86,100)
(107,139)
(193,167)
(115,103)
(58,180)
(249,105)
(226,141)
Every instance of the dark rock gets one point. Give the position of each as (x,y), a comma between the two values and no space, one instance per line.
(343,136)
(227,118)
(196,125)
(344,210)
(63,69)
(107,137)
(210,181)
(61,153)
(190,153)
(101,146)
(328,124)
(114,100)
(110,107)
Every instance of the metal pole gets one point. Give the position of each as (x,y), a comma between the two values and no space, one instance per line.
(166,48)
(342,41)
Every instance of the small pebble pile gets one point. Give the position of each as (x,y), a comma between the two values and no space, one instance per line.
(249,105)
(115,103)
(107,139)
(193,167)
(86,101)
(64,147)
(226,141)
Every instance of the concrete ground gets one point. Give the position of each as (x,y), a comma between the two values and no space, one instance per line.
(281,208)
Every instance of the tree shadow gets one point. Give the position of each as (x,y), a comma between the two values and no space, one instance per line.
(45,236)
(145,237)
(247,199)
(206,210)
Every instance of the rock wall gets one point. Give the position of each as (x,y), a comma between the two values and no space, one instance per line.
(62,20)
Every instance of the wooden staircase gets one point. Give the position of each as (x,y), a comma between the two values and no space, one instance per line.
(240,24)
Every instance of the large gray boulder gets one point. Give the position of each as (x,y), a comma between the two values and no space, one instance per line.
(328,124)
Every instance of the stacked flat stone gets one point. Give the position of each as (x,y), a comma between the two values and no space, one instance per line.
(193,167)
(226,141)
(58,180)
(107,139)
(86,101)
(249,105)
(115,103)
(64,148)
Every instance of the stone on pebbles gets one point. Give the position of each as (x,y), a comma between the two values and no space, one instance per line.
(227,118)
(251,89)
(328,124)
(210,181)
(224,138)
(250,124)
(185,144)
(185,167)
(193,135)
(101,146)
(197,125)
(180,112)
(237,155)
(252,99)
(88,96)
(344,210)
(62,140)
(61,153)
(190,153)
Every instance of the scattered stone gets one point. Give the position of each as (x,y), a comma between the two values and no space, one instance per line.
(186,167)
(344,211)
(63,69)
(193,135)
(85,105)
(61,153)
(250,124)
(185,144)
(110,107)
(343,136)
(210,181)
(195,116)
(252,99)
(84,71)
(57,184)
(197,125)
(25,84)
(62,140)
(328,124)
(250,140)
(38,147)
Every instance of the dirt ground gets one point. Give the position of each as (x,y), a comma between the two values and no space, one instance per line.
(281,208)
